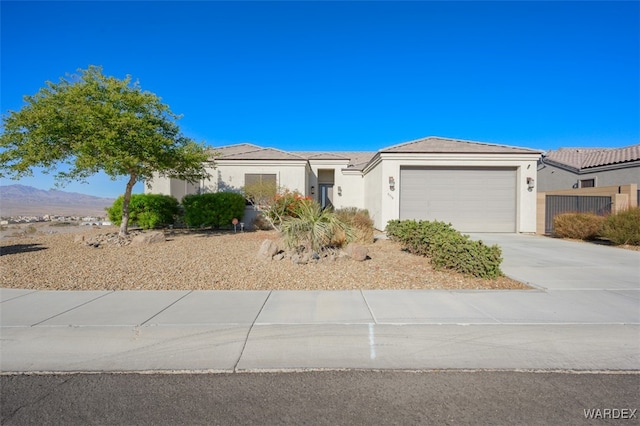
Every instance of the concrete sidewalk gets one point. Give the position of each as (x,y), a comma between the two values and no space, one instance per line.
(573,319)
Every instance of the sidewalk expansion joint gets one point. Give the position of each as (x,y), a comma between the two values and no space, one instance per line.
(246,340)
(375,321)
(162,310)
(75,307)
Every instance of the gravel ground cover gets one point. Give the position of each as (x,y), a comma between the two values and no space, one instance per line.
(210,260)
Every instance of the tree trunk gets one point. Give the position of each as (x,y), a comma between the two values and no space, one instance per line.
(124,225)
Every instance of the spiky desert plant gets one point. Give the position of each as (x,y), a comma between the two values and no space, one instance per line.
(312,227)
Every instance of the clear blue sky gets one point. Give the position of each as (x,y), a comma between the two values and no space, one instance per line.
(347,75)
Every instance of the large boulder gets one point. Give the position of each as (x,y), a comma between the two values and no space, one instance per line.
(148,238)
(268,249)
(357,252)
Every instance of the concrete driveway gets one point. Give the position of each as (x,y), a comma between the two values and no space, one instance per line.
(556,264)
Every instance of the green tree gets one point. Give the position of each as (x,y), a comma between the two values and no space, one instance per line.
(90,123)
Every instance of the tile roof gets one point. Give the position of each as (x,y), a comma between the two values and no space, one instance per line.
(247,151)
(434,144)
(584,158)
(359,160)
(356,160)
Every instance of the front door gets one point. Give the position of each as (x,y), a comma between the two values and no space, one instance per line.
(326,195)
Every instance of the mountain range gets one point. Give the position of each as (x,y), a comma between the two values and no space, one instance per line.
(21,200)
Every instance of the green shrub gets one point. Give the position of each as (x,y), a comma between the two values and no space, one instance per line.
(446,247)
(359,222)
(312,227)
(417,237)
(623,227)
(148,211)
(213,209)
(579,226)
(459,253)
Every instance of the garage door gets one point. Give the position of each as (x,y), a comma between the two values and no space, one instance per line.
(472,199)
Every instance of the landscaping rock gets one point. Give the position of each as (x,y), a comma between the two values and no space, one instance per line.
(148,238)
(300,259)
(357,252)
(268,249)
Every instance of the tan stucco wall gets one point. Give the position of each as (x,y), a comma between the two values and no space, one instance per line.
(229,175)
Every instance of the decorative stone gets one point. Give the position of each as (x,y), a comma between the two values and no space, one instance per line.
(357,252)
(148,238)
(268,249)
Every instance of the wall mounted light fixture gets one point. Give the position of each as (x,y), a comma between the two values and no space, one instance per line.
(340,190)
(313,190)
(392,183)
(531,183)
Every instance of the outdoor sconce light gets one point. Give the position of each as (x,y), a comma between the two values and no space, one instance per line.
(392,183)
(530,183)
(313,190)
(340,190)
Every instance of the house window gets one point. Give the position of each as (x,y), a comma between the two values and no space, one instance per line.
(587,183)
(259,188)
(256,178)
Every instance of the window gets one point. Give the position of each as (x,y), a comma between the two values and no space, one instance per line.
(259,188)
(587,183)
(256,178)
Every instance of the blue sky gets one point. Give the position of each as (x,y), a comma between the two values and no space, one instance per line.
(346,75)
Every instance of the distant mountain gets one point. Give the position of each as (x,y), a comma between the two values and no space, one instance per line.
(16,200)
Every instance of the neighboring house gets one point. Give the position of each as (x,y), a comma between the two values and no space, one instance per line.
(478,187)
(568,168)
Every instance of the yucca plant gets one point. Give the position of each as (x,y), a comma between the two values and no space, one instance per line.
(312,227)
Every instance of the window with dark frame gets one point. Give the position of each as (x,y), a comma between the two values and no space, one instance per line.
(587,183)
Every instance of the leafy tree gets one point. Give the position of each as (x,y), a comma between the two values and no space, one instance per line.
(92,123)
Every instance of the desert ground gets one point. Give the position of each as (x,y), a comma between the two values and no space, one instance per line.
(58,258)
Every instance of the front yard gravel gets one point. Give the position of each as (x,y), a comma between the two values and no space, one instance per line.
(211,261)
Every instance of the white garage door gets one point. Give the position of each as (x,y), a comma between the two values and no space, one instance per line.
(472,199)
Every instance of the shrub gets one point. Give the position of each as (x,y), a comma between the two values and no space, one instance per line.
(286,204)
(459,253)
(260,193)
(580,226)
(446,247)
(146,210)
(213,209)
(417,237)
(359,222)
(623,227)
(312,227)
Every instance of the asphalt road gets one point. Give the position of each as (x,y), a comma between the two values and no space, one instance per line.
(330,397)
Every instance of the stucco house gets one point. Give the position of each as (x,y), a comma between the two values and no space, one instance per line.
(568,168)
(478,187)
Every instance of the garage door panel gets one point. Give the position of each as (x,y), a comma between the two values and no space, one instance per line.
(475,199)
